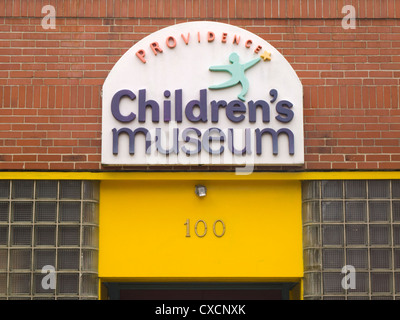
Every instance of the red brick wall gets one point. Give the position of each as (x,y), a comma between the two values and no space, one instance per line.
(50,80)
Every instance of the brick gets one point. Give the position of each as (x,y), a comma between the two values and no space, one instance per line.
(331,158)
(389,165)
(344,165)
(318,165)
(73,158)
(11,166)
(52,79)
(367,165)
(355,157)
(24,158)
(87,166)
(61,166)
(376,157)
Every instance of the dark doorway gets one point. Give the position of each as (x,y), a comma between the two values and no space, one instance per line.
(198,291)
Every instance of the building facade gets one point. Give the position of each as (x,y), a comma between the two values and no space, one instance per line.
(320,222)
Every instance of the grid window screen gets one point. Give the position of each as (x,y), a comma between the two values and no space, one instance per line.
(46,211)
(353,223)
(49,236)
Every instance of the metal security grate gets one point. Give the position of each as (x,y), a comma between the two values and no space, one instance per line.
(49,223)
(356,223)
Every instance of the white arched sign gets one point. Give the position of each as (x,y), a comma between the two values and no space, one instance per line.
(202,93)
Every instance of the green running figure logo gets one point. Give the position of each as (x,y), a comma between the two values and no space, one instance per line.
(237,70)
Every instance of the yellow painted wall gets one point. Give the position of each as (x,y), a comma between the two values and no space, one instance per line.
(142,231)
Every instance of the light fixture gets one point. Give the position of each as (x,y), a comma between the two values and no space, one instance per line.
(201,190)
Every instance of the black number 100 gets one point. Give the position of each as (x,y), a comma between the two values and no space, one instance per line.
(187,224)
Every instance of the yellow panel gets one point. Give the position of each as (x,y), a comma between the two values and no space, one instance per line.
(142,231)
